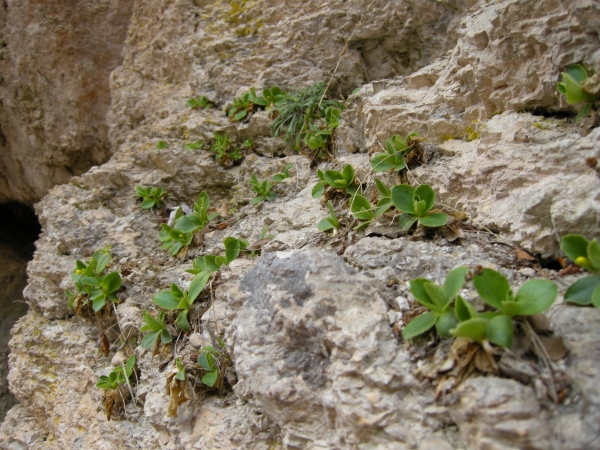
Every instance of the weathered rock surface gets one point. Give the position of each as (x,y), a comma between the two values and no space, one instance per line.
(311,336)
(55,65)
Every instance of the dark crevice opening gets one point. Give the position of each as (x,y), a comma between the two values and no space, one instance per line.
(19,229)
(550,114)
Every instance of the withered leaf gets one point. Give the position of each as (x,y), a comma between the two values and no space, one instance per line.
(523,255)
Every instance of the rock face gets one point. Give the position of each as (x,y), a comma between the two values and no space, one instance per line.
(55,64)
(313,325)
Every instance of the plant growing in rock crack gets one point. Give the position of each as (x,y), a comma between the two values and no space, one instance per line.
(161,145)
(157,328)
(92,283)
(199,218)
(263,189)
(116,385)
(396,149)
(194,145)
(416,204)
(174,240)
(199,103)
(572,85)
(279,177)
(178,299)
(212,263)
(385,198)
(213,363)
(318,134)
(533,297)
(225,153)
(362,210)
(273,96)
(586,254)
(119,375)
(150,196)
(246,104)
(438,300)
(343,180)
(296,111)
(330,222)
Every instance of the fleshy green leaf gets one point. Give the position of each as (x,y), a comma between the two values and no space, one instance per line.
(445,323)
(232,248)
(150,339)
(99,303)
(165,336)
(402,196)
(188,224)
(500,331)
(425,192)
(318,190)
(210,378)
(464,310)
(535,296)
(436,295)
(474,329)
(417,288)
(182,321)
(406,221)
(593,254)
(574,246)
(348,173)
(111,282)
(152,323)
(492,287)
(166,300)
(148,203)
(596,297)
(325,224)
(197,285)
(419,325)
(581,291)
(454,282)
(434,220)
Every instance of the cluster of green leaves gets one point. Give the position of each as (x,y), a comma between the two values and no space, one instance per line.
(416,205)
(586,254)
(571,85)
(176,299)
(330,222)
(279,177)
(150,196)
(161,145)
(182,233)
(194,145)
(93,283)
(298,115)
(244,105)
(211,361)
(263,189)
(119,375)
(496,326)
(225,152)
(157,328)
(343,180)
(396,149)
(199,103)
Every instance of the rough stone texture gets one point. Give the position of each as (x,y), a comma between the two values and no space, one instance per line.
(309,335)
(56,58)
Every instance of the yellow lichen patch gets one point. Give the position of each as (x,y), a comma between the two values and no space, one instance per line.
(471,134)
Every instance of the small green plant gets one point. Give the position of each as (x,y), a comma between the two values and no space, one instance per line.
(157,329)
(279,177)
(362,210)
(174,240)
(119,375)
(385,197)
(396,149)
(177,299)
(296,111)
(416,205)
(331,222)
(245,105)
(194,145)
(319,134)
(161,145)
(199,218)
(211,263)
(248,143)
(180,375)
(213,363)
(225,153)
(533,297)
(273,96)
(150,196)
(92,283)
(338,180)
(586,254)
(199,103)
(572,86)
(438,300)
(263,189)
